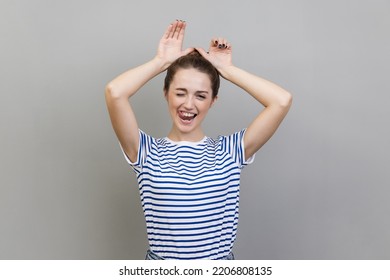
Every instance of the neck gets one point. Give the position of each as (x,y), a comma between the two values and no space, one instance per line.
(193,136)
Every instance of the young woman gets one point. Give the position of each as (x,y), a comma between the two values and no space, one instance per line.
(188,182)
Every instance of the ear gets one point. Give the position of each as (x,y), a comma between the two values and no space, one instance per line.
(213,101)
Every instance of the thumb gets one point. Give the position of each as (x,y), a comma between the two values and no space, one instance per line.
(187,51)
(202,52)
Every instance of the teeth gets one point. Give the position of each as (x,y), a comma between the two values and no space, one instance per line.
(188,114)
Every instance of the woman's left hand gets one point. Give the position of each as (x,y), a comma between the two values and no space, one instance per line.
(219,54)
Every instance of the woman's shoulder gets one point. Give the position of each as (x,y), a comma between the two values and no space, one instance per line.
(230,135)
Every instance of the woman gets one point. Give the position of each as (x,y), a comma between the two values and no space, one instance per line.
(189,183)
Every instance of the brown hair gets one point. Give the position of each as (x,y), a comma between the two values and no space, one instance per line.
(197,61)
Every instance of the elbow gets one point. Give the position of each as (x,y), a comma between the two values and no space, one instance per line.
(286,100)
(111,92)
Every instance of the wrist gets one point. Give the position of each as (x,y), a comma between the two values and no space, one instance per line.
(160,64)
(227,71)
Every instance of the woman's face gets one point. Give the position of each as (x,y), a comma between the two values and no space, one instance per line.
(189,98)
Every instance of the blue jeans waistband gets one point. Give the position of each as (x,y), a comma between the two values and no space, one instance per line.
(150,255)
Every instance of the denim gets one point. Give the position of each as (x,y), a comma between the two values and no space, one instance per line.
(150,255)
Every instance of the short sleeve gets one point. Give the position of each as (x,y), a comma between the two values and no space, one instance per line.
(144,147)
(234,145)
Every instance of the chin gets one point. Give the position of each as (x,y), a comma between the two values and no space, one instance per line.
(186,127)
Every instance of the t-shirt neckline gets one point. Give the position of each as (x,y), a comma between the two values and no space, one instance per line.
(187,143)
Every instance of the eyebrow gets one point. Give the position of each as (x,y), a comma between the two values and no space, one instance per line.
(198,91)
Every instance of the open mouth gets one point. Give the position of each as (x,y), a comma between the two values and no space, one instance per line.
(186,116)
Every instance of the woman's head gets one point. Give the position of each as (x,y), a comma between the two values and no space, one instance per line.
(198,62)
(191,88)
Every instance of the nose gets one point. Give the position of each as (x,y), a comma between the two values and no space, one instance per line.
(189,102)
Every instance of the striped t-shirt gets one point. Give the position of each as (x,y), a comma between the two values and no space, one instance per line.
(190,194)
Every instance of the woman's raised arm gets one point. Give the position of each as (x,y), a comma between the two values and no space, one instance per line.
(119,90)
(276,100)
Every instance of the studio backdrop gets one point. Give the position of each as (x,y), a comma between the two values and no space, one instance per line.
(319,189)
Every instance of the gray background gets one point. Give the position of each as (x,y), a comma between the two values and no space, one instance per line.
(318,190)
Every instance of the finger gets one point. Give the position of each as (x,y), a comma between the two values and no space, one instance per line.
(214,42)
(168,31)
(182,27)
(172,29)
(226,44)
(175,29)
(188,50)
(202,52)
(221,43)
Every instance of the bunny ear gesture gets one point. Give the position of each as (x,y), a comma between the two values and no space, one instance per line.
(176,30)
(220,43)
(171,43)
(219,54)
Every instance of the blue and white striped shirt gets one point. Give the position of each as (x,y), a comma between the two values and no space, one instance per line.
(190,194)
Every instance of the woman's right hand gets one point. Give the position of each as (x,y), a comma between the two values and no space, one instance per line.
(170,46)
